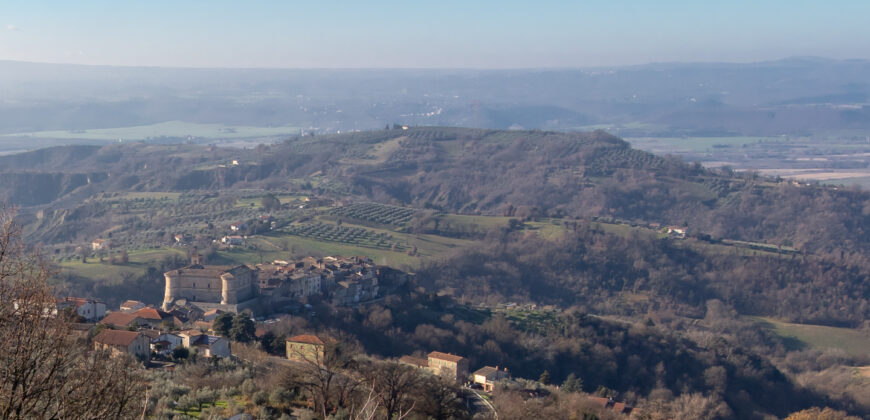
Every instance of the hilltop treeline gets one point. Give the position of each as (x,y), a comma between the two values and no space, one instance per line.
(602,271)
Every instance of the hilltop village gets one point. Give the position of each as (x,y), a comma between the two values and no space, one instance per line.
(207,313)
(275,287)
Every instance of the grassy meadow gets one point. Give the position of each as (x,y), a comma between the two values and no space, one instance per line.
(853,342)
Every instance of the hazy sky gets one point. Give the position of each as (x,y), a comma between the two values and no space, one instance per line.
(435,33)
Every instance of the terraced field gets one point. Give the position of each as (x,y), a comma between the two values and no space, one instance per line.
(381,214)
(345,234)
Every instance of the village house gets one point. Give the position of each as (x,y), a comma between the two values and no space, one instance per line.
(487,376)
(233,240)
(155,318)
(131,306)
(150,317)
(610,403)
(305,348)
(119,320)
(237,226)
(204,344)
(211,314)
(118,342)
(90,309)
(448,365)
(677,232)
(354,289)
(416,362)
(99,244)
(162,342)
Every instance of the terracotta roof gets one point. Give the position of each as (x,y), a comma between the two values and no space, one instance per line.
(414,361)
(308,339)
(116,337)
(152,334)
(620,407)
(191,333)
(77,301)
(151,313)
(131,303)
(119,319)
(203,325)
(486,371)
(446,356)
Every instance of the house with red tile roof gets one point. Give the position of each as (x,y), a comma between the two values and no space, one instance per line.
(305,348)
(448,365)
(118,342)
(619,407)
(119,320)
(155,317)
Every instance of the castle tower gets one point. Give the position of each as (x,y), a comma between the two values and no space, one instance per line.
(169,295)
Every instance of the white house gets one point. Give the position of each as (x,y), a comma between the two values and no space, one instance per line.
(204,344)
(89,309)
(233,240)
(487,376)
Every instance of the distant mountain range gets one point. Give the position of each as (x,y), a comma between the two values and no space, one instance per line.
(803,95)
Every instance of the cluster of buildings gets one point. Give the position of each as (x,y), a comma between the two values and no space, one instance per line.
(310,348)
(456,368)
(343,281)
(142,331)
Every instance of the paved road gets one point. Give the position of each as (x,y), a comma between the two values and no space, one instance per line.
(479,404)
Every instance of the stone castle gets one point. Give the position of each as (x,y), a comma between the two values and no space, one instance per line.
(230,288)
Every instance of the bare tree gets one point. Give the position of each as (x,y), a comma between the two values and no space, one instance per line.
(325,376)
(46,370)
(394,384)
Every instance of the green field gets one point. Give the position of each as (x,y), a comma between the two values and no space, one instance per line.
(94,269)
(146,196)
(693,144)
(853,342)
(164,129)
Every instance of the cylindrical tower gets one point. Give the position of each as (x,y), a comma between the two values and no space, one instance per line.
(227,293)
(169,295)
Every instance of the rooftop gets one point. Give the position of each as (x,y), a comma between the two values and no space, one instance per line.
(152,313)
(307,339)
(121,319)
(486,371)
(414,361)
(116,337)
(446,356)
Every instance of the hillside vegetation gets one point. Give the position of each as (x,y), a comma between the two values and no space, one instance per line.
(505,173)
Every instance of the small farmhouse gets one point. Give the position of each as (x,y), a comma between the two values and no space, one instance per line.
(133,343)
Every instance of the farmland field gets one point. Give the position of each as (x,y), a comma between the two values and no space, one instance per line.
(663,145)
(94,269)
(853,342)
(164,129)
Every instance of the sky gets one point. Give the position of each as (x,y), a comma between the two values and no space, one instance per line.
(427,34)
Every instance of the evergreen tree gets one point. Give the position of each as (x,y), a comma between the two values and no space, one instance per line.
(222,324)
(243,328)
(545,378)
(572,383)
